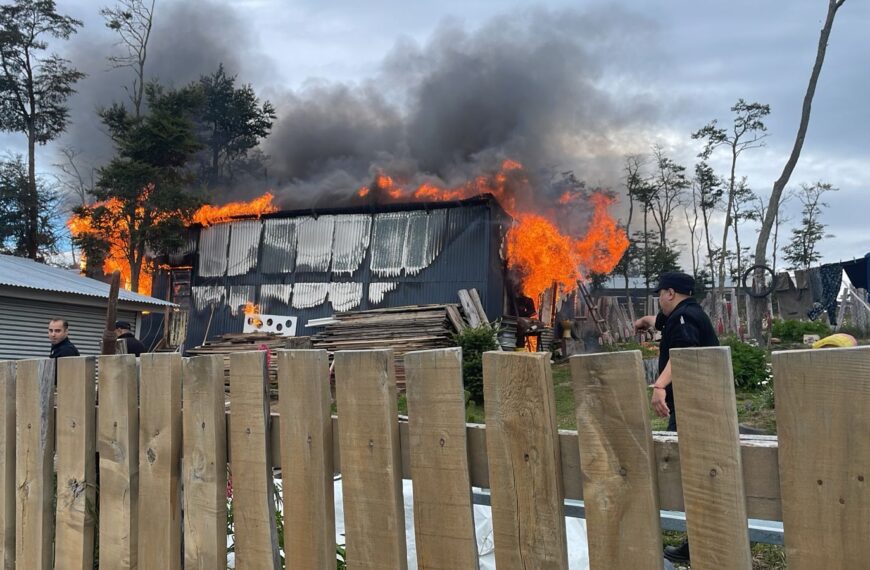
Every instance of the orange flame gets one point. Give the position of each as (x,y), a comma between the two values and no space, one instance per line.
(537,248)
(251,308)
(209,215)
(116,257)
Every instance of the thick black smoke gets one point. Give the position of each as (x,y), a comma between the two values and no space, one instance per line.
(554,90)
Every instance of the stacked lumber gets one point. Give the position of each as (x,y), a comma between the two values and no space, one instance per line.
(404,329)
(245,342)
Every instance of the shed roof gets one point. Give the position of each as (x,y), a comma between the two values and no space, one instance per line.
(28,274)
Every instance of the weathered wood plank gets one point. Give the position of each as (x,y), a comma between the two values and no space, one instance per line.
(443,515)
(306,436)
(118,446)
(712,471)
(823,420)
(618,461)
(76,462)
(478,305)
(160,461)
(469,308)
(7,471)
(525,472)
(368,432)
(253,487)
(204,448)
(34,402)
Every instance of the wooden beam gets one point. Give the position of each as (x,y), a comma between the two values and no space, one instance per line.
(374,515)
(619,471)
(443,514)
(469,308)
(160,461)
(823,419)
(205,463)
(525,472)
(118,447)
(76,462)
(710,458)
(304,399)
(251,467)
(7,471)
(34,403)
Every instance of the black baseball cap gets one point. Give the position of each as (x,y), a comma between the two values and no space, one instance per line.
(679,282)
(123,325)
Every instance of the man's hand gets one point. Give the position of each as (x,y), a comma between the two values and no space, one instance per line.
(660,407)
(645,323)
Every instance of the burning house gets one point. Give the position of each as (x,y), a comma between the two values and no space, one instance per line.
(296,266)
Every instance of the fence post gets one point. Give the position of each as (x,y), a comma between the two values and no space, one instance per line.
(118,446)
(205,463)
(525,472)
(712,469)
(443,513)
(617,460)
(823,419)
(76,462)
(371,464)
(251,462)
(7,471)
(160,461)
(34,402)
(306,459)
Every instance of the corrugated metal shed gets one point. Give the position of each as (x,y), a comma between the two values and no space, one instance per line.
(311,265)
(244,246)
(28,274)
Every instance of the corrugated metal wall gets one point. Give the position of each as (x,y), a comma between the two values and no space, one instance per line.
(311,267)
(24,327)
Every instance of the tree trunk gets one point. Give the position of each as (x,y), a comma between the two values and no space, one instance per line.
(728,221)
(759,304)
(31,240)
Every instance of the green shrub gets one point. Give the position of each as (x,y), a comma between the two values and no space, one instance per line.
(794,331)
(751,369)
(474,342)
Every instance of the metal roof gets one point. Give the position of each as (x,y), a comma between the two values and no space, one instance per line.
(28,274)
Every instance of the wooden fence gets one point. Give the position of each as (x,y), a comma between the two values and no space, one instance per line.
(162,438)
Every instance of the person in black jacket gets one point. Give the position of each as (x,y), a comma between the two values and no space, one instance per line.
(61,345)
(134,345)
(683,324)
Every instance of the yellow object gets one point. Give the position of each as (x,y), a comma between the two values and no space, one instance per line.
(836,341)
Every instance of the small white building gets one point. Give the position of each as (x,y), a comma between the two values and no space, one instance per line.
(33,293)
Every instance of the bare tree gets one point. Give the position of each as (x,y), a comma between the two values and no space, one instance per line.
(131,20)
(758,304)
(779,218)
(742,210)
(747,131)
(691,212)
(76,185)
(710,191)
(670,182)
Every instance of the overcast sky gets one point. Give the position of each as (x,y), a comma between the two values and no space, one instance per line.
(624,76)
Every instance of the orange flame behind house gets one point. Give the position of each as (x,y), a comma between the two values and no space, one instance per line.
(538,248)
(116,257)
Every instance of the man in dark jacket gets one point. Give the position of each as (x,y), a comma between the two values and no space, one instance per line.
(61,346)
(134,345)
(683,324)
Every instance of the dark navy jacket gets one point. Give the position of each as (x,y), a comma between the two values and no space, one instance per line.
(63,348)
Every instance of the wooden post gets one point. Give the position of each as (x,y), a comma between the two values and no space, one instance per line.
(118,446)
(205,463)
(617,461)
(525,471)
(371,463)
(76,462)
(34,402)
(160,461)
(443,515)
(109,336)
(251,467)
(712,469)
(469,308)
(823,419)
(304,405)
(7,471)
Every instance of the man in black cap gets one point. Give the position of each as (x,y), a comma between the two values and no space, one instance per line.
(683,324)
(134,345)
